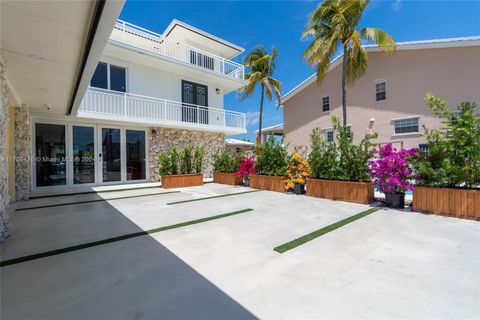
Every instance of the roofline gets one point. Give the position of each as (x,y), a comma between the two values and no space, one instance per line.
(272,128)
(176,22)
(406,45)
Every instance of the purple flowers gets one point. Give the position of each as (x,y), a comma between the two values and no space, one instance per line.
(390,169)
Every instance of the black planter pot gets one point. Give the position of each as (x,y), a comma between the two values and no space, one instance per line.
(299,188)
(246,181)
(395,200)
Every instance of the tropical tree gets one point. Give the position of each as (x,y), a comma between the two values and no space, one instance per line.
(334,23)
(260,67)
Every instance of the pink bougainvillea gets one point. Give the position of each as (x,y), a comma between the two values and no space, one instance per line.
(247,167)
(391,170)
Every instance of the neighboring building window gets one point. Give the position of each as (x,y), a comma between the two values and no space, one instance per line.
(423,147)
(326,104)
(381,91)
(109,77)
(238,150)
(329,135)
(406,126)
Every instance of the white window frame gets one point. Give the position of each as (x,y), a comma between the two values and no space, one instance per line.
(326,134)
(329,103)
(403,119)
(376,82)
(120,65)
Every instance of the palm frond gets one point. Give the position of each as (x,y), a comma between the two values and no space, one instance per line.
(380,37)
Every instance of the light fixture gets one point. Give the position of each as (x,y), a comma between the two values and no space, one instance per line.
(46,106)
(217,90)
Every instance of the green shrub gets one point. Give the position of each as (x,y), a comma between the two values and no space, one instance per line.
(340,160)
(225,161)
(453,157)
(175,159)
(186,160)
(166,165)
(272,159)
(198,159)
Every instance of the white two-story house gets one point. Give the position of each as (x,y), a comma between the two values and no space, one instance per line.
(150,92)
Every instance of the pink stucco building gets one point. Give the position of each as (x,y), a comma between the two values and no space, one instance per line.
(390,97)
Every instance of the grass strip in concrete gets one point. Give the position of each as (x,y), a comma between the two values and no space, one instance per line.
(116,239)
(90,192)
(320,232)
(212,197)
(95,200)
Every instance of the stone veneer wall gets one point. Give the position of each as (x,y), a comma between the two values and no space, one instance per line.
(4,195)
(164,139)
(23,153)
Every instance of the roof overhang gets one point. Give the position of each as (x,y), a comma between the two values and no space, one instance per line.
(407,45)
(180,31)
(52,49)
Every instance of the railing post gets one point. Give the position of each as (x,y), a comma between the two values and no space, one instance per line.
(165,109)
(125,105)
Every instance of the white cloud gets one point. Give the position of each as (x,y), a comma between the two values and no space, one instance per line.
(252,117)
(397,4)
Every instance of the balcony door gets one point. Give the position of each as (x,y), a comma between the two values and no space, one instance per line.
(194,102)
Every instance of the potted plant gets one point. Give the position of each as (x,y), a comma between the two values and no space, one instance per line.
(246,168)
(392,173)
(297,172)
(182,169)
(225,164)
(339,169)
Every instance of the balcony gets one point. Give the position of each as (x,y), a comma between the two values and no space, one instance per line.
(135,36)
(128,107)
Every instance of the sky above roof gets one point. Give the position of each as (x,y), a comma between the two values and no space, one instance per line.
(280,24)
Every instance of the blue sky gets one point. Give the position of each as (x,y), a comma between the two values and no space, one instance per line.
(280,24)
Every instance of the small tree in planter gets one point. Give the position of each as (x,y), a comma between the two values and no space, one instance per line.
(198,159)
(392,173)
(190,167)
(246,168)
(224,166)
(297,171)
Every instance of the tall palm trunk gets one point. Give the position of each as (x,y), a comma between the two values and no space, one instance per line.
(344,81)
(259,136)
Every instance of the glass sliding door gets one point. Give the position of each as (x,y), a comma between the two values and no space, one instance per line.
(50,154)
(135,141)
(83,155)
(111,155)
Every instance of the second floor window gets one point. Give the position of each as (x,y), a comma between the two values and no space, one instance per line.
(406,126)
(380,91)
(326,104)
(109,77)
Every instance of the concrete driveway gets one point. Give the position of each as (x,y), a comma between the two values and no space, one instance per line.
(390,264)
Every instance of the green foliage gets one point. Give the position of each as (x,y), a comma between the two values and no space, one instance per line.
(340,160)
(453,157)
(171,161)
(273,158)
(186,158)
(198,159)
(224,161)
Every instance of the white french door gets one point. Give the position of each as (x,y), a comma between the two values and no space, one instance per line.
(111,155)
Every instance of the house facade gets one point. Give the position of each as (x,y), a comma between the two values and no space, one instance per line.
(390,97)
(89,100)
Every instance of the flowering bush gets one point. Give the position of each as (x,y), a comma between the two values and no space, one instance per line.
(297,171)
(247,167)
(391,170)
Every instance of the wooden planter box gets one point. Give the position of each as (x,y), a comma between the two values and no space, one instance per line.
(267,183)
(351,191)
(182,180)
(460,203)
(227,178)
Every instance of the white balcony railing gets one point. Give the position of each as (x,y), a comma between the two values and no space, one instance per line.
(150,41)
(105,104)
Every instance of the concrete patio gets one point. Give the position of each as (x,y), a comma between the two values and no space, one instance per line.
(390,264)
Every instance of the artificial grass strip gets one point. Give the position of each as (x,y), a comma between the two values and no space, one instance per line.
(116,239)
(95,200)
(90,192)
(320,232)
(212,197)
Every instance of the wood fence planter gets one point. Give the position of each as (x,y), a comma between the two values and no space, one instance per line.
(267,182)
(460,203)
(351,191)
(182,180)
(227,178)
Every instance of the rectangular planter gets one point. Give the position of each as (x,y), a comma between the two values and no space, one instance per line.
(351,191)
(182,180)
(267,183)
(460,203)
(227,178)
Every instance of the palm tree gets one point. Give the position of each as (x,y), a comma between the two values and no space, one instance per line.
(334,23)
(260,67)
